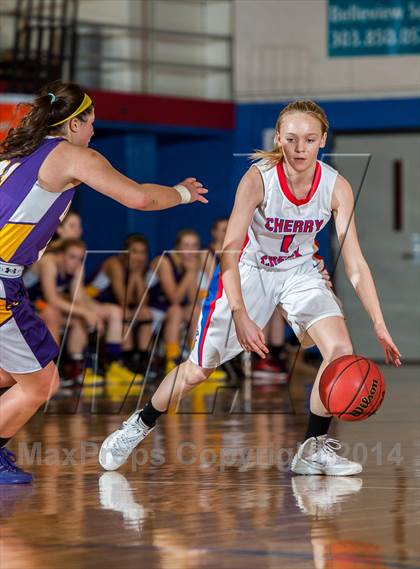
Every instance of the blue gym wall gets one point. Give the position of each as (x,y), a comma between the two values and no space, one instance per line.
(168,154)
(164,157)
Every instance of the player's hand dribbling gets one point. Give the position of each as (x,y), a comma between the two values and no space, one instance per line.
(250,336)
(392,354)
(196,190)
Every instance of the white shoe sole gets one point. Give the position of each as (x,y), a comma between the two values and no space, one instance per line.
(344,472)
(300,466)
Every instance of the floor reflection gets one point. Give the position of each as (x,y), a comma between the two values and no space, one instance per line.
(213,489)
(115,493)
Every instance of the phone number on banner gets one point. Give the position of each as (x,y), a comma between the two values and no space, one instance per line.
(354,39)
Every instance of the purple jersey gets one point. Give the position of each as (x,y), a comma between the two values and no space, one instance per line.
(29,215)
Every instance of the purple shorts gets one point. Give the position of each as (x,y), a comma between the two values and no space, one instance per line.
(26,345)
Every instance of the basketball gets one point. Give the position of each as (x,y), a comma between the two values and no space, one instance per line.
(352,388)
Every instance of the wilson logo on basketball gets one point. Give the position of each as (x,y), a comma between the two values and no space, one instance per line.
(365,401)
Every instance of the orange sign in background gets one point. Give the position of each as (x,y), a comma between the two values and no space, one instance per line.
(11,113)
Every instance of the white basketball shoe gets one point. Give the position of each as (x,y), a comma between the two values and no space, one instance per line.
(118,446)
(318,455)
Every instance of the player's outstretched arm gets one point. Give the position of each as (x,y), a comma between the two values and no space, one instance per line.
(91,168)
(249,195)
(356,267)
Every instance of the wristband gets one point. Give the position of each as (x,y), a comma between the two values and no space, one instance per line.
(184,193)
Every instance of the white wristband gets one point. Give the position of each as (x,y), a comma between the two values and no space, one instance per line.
(184,193)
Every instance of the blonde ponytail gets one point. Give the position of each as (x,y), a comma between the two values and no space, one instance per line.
(272,157)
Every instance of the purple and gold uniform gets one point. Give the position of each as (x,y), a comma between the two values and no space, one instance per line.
(29,216)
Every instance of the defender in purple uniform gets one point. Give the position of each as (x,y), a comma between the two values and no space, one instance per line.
(41,162)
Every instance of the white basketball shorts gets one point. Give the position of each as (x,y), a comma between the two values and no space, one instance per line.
(300,293)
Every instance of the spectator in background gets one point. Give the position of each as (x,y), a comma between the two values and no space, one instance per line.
(70,228)
(212,257)
(51,287)
(61,287)
(218,232)
(121,280)
(173,284)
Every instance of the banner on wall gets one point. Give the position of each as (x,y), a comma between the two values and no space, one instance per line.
(373,27)
(12,109)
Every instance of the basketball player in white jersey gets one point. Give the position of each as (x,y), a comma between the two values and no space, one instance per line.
(282,202)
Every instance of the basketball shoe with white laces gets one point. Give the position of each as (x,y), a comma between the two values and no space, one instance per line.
(318,455)
(118,446)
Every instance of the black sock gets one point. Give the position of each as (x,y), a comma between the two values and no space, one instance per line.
(149,415)
(3,442)
(140,358)
(277,352)
(317,426)
(144,355)
(126,355)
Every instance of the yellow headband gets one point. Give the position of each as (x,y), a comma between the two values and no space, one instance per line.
(87,101)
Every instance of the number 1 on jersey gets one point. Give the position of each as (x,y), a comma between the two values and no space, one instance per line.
(285,244)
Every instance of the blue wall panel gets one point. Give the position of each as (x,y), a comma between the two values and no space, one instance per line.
(209,159)
(165,158)
(104,220)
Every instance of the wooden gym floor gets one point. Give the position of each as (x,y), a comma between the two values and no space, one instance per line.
(211,488)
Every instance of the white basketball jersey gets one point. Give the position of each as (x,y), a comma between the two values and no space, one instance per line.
(283,229)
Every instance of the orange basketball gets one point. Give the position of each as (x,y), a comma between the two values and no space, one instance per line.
(352,388)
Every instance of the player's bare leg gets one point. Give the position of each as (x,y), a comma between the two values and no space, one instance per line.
(332,339)
(27,392)
(6,380)
(24,398)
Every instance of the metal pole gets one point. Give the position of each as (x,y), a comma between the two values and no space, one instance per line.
(247,366)
(73,40)
(63,37)
(49,64)
(39,28)
(26,63)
